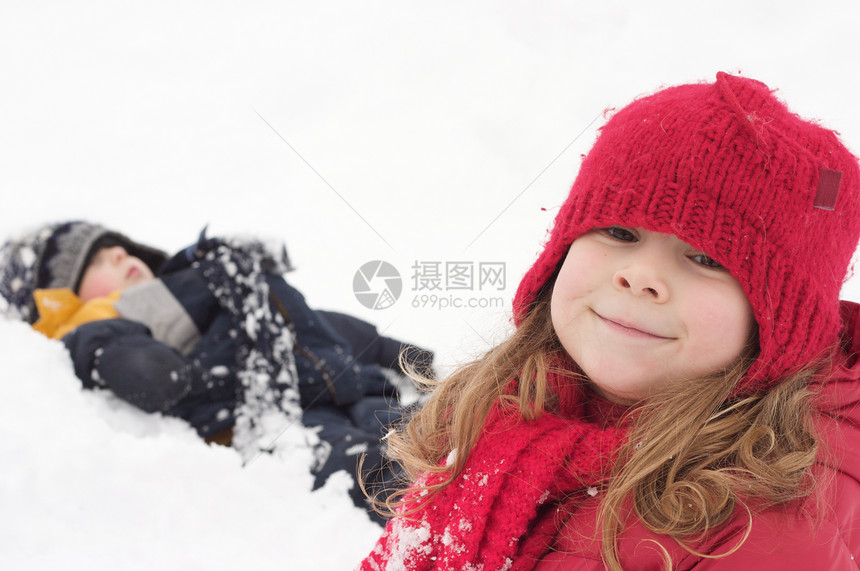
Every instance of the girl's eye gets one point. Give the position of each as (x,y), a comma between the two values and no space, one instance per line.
(620,233)
(707,261)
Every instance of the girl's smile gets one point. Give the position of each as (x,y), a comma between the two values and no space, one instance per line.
(638,309)
(627,328)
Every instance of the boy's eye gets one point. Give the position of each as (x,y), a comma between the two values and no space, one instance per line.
(620,233)
(706,261)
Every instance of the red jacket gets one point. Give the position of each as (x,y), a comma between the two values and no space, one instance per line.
(522,478)
(779,539)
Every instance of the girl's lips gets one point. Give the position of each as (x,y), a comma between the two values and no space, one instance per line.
(133,272)
(628,328)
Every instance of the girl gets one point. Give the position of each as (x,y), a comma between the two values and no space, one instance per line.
(682,388)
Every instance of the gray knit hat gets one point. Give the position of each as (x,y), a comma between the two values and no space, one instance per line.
(55,256)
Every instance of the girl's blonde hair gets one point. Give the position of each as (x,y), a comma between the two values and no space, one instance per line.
(692,453)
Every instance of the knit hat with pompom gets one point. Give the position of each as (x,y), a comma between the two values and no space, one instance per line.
(55,256)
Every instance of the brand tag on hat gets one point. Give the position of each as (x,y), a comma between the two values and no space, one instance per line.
(828,188)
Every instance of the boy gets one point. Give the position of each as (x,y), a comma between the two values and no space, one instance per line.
(213,335)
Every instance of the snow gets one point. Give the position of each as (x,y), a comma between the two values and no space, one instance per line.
(409,540)
(417,134)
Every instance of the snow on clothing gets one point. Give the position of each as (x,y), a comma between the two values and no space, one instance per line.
(492,515)
(517,506)
(212,341)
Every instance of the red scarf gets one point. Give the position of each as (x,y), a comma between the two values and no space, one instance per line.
(498,513)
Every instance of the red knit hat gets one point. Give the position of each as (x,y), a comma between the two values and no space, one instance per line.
(727,168)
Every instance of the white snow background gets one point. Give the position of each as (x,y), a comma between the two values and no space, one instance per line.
(408,132)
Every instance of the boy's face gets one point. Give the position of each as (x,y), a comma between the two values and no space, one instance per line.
(110,270)
(637,310)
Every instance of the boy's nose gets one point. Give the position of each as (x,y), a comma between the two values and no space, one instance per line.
(117,254)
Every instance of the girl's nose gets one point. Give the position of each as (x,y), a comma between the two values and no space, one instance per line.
(642,278)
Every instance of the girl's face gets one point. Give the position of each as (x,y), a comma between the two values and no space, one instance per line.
(112,269)
(638,309)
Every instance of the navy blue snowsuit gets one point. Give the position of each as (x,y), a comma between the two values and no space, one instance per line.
(184,360)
